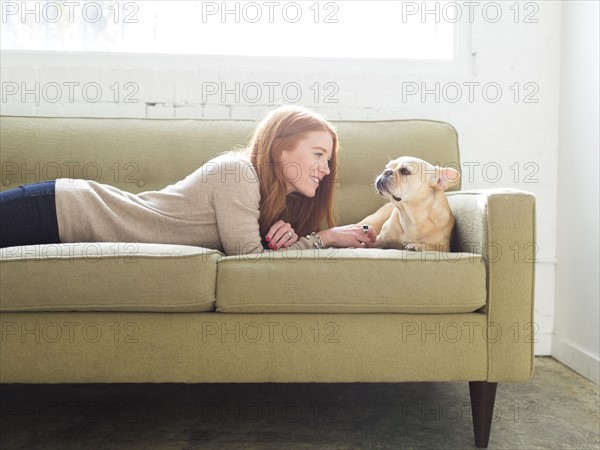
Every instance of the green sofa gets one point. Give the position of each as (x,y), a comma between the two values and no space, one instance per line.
(145,313)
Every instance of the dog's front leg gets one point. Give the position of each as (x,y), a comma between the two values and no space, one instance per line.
(379,217)
(388,244)
(391,231)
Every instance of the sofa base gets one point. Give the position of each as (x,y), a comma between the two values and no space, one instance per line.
(95,347)
(118,347)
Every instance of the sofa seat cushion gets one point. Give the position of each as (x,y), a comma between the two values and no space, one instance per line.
(351,281)
(107,276)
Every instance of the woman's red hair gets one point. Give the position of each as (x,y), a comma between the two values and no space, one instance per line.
(280,130)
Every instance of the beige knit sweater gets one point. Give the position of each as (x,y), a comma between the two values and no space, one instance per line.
(216,207)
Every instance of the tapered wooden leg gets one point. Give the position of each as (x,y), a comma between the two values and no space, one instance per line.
(483,395)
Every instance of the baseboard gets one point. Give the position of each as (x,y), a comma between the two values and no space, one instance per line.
(543,346)
(577,359)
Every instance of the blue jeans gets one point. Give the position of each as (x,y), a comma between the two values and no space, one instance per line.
(28,215)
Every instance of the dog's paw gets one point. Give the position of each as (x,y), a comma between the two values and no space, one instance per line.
(413,247)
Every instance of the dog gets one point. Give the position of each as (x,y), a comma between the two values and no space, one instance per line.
(418,216)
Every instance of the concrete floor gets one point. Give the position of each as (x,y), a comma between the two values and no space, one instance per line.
(558,409)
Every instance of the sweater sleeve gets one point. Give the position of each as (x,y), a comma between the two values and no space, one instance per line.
(237,211)
(236,201)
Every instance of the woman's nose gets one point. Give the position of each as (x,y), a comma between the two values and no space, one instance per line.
(326,168)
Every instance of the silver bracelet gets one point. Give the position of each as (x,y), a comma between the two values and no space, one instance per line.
(319,244)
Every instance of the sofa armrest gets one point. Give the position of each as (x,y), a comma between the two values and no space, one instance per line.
(499,224)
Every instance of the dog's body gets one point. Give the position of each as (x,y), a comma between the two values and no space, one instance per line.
(418,216)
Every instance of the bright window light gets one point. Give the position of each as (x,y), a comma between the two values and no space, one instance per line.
(339,29)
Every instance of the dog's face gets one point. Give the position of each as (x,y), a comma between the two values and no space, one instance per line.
(412,179)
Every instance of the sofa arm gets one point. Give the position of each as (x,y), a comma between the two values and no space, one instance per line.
(499,224)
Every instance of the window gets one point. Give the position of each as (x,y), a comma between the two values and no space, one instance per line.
(337,29)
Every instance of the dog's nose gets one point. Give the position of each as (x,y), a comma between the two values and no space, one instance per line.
(381,183)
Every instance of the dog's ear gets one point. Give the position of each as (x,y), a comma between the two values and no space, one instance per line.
(446,177)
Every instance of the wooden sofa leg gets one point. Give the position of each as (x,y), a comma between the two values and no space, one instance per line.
(483,395)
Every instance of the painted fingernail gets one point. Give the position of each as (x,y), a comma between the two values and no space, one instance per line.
(268,239)
(270,245)
(275,247)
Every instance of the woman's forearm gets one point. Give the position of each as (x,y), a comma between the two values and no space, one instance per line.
(348,236)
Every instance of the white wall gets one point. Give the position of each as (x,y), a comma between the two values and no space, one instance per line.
(576,338)
(511,142)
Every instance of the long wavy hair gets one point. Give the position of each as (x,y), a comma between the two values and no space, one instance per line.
(280,130)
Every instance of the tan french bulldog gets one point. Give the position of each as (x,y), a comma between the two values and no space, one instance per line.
(418,216)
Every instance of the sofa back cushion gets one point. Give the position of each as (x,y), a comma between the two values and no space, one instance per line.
(148,154)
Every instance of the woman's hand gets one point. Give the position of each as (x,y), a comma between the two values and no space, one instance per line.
(281,235)
(348,236)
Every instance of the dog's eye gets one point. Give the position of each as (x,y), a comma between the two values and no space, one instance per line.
(404,171)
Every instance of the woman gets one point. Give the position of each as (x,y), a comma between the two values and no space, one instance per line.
(275,193)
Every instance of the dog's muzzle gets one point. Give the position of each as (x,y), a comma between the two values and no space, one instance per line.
(384,182)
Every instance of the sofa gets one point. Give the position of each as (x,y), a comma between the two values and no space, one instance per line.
(152,313)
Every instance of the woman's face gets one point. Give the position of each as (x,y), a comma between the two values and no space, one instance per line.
(305,165)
